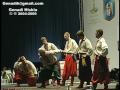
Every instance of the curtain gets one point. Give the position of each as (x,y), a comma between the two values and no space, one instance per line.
(20,35)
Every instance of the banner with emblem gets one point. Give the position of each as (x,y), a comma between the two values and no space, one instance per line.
(109,9)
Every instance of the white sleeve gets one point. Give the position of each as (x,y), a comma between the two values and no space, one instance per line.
(75,46)
(33,67)
(104,44)
(66,47)
(15,65)
(54,48)
(49,52)
(41,48)
(89,47)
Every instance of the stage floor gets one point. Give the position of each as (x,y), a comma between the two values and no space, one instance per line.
(111,86)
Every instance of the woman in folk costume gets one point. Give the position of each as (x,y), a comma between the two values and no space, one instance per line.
(85,51)
(101,70)
(70,66)
(25,71)
(49,60)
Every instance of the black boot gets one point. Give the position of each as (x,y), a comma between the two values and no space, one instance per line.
(42,85)
(81,85)
(72,80)
(58,82)
(63,83)
(105,86)
(94,87)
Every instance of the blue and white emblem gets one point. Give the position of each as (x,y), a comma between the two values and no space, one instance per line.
(109,9)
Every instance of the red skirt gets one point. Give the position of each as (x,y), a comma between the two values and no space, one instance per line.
(31,81)
(70,67)
(18,76)
(99,77)
(21,78)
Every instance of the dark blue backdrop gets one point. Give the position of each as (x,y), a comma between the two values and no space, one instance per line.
(20,35)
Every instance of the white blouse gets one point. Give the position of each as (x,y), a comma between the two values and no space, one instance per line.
(51,47)
(29,66)
(101,45)
(85,46)
(51,57)
(71,46)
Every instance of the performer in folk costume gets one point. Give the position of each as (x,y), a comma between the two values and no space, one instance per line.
(101,70)
(49,60)
(7,74)
(25,71)
(85,51)
(70,66)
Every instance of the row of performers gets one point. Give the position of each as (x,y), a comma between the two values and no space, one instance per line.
(25,70)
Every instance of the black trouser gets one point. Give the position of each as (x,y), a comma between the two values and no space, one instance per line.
(45,75)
